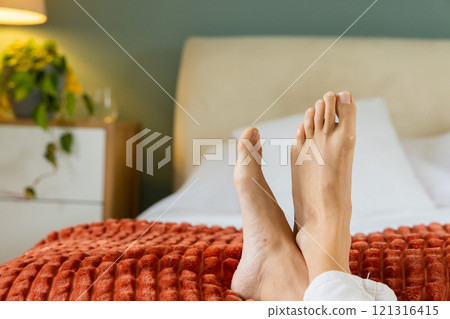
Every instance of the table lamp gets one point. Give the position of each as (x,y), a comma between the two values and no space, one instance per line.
(22,12)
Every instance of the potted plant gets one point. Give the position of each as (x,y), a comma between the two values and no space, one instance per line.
(37,81)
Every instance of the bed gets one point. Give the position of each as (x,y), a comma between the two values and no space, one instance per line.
(228,83)
(191,251)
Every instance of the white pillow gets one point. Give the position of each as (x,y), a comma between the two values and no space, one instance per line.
(430,158)
(207,197)
(382,177)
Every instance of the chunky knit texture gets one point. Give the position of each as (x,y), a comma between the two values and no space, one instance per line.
(184,262)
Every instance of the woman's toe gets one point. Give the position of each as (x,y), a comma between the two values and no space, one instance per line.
(309,123)
(249,156)
(330,112)
(300,134)
(346,110)
(320,115)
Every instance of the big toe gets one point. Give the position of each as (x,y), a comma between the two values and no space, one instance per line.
(249,157)
(248,177)
(346,110)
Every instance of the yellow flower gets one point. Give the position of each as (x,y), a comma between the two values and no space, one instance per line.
(72,84)
(6,112)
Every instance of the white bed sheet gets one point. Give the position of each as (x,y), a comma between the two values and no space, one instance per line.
(375,222)
(430,159)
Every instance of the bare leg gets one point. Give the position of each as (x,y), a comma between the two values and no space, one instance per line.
(322,194)
(272,267)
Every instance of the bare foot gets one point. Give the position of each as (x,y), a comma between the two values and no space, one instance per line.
(322,194)
(272,267)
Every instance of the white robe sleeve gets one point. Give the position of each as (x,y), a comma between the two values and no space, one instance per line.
(340,286)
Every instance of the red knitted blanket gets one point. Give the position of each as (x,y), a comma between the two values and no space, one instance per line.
(184,262)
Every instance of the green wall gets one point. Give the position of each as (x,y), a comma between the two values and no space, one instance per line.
(153,32)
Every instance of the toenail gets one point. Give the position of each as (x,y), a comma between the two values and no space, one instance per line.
(330,94)
(299,132)
(344,97)
(319,101)
(310,110)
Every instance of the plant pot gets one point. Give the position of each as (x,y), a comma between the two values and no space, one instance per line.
(25,108)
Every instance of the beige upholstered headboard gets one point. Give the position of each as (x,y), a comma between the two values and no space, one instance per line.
(226,83)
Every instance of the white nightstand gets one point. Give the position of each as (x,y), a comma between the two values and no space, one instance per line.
(92,184)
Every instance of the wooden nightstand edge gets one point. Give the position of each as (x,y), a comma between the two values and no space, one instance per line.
(121,194)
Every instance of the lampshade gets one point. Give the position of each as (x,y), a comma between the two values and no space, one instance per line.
(22,12)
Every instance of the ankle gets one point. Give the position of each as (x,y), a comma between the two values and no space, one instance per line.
(326,263)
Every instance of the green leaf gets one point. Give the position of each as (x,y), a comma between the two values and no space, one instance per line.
(50,154)
(60,63)
(40,116)
(20,93)
(49,84)
(51,147)
(70,103)
(49,47)
(30,193)
(22,83)
(39,76)
(66,142)
(89,104)
(7,57)
(52,103)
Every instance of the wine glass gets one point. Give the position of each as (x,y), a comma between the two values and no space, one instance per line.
(105,108)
